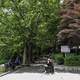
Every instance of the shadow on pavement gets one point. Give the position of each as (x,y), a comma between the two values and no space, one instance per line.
(31,69)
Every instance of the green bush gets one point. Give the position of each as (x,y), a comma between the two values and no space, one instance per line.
(3,58)
(53,55)
(73,60)
(59,59)
(2,61)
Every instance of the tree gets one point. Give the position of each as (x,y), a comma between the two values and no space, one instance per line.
(69,27)
(25,23)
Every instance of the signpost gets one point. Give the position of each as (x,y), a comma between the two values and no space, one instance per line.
(65,49)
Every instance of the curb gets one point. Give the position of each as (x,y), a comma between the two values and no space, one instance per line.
(67,69)
(3,74)
(8,72)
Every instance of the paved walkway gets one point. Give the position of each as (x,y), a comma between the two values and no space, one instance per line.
(37,73)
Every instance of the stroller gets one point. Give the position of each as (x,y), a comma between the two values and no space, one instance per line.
(49,68)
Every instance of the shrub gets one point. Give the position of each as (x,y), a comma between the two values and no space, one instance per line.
(3,61)
(3,58)
(73,60)
(59,59)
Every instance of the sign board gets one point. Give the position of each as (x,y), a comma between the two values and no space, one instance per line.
(65,49)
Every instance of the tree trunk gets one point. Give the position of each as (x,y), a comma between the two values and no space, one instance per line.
(29,56)
(24,56)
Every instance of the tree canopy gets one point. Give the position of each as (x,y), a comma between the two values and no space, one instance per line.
(69,33)
(27,22)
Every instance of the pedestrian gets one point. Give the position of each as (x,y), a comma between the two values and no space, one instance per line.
(50,66)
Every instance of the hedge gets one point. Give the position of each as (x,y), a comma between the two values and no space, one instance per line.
(73,60)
